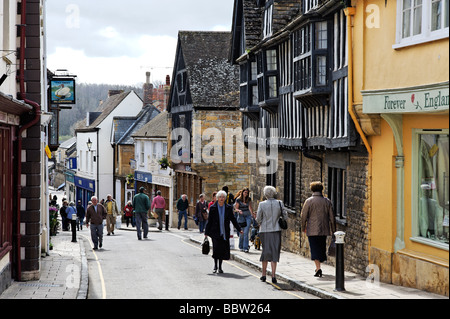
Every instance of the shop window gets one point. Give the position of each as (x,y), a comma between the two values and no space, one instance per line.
(432,186)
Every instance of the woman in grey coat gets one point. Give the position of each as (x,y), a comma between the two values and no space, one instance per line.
(269,211)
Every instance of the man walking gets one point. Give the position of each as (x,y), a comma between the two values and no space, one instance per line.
(182,207)
(141,205)
(112,212)
(95,215)
(159,206)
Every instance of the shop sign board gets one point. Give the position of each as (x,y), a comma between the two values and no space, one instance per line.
(426,99)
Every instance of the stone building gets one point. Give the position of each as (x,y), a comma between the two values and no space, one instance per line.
(203,108)
(293,63)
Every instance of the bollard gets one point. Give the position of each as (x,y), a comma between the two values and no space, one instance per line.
(167,220)
(339,261)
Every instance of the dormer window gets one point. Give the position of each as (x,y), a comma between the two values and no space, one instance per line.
(268,18)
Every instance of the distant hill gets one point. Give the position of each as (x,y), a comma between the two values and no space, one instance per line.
(88,99)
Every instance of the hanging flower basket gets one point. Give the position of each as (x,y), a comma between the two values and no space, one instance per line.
(164,162)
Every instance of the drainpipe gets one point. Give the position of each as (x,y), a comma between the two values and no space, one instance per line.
(34,121)
(349,13)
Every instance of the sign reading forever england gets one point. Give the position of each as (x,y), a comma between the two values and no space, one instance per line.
(426,99)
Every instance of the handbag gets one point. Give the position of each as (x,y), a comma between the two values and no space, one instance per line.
(242,222)
(205,246)
(281,221)
(332,248)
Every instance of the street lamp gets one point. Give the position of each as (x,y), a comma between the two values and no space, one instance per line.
(89,144)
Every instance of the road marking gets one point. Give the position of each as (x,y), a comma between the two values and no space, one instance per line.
(246,271)
(100,272)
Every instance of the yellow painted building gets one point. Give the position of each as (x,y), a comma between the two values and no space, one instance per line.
(399,99)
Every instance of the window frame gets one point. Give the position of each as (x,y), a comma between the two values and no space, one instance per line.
(337,182)
(426,34)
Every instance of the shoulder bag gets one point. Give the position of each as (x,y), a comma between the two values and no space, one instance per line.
(281,221)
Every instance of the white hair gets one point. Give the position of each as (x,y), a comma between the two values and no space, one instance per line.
(221,193)
(270,192)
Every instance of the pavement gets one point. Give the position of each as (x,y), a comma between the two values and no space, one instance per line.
(64,274)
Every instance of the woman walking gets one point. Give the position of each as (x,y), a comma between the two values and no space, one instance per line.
(244,206)
(269,211)
(201,213)
(218,228)
(318,223)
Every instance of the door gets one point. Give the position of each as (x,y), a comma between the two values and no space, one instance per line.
(6,189)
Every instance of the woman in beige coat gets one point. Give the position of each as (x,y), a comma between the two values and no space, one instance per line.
(318,223)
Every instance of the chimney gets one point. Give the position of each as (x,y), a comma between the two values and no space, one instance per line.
(167,91)
(148,90)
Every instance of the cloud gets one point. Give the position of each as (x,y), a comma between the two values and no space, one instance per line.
(98,40)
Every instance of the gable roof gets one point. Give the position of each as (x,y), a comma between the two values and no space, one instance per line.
(124,127)
(212,81)
(156,128)
(105,108)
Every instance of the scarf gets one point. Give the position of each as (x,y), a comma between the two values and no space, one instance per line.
(222,220)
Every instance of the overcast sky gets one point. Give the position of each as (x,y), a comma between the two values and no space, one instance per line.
(117,41)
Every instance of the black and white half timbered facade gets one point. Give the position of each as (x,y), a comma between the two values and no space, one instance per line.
(294,87)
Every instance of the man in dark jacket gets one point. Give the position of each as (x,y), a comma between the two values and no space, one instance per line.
(81,213)
(141,205)
(182,207)
(95,215)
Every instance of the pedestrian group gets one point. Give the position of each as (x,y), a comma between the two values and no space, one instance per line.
(214,220)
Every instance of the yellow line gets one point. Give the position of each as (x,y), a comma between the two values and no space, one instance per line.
(229,263)
(100,272)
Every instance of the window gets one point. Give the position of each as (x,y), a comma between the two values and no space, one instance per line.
(420,21)
(142,156)
(321,35)
(267,75)
(289,184)
(309,5)
(268,16)
(311,56)
(271,60)
(337,179)
(432,187)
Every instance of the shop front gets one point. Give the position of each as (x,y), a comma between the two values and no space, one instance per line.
(410,185)
(153,182)
(85,189)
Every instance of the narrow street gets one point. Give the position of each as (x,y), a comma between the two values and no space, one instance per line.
(168,265)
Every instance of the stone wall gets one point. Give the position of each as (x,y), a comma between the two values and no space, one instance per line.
(213,167)
(307,170)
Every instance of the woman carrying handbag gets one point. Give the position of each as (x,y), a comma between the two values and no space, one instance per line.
(268,216)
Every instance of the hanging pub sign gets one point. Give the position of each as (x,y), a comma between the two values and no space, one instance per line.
(62,91)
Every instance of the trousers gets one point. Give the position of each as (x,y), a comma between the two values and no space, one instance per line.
(96,234)
(141,221)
